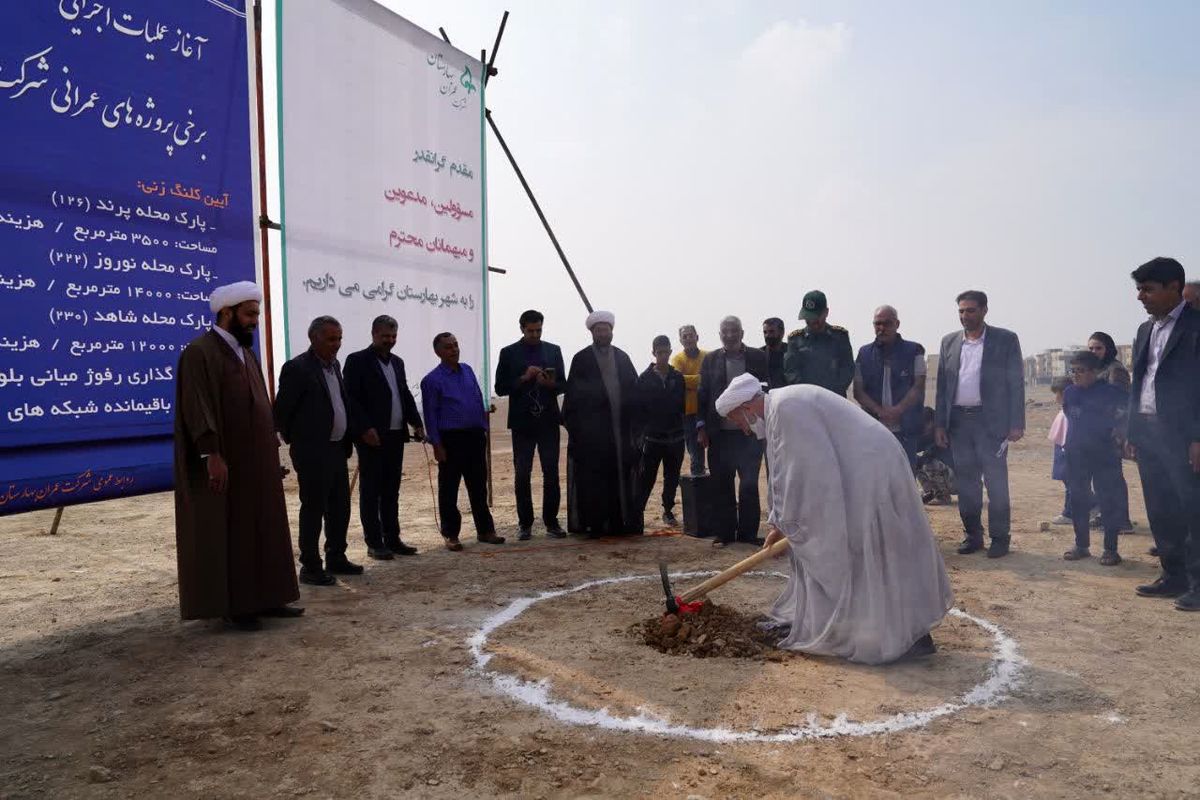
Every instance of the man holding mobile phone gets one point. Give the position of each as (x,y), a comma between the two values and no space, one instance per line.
(530,374)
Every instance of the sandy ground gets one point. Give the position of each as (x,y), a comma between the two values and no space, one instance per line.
(107,694)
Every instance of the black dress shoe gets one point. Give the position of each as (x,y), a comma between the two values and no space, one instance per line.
(525,534)
(401,549)
(380,553)
(344,567)
(969,545)
(1162,587)
(668,518)
(555,531)
(244,622)
(998,548)
(284,612)
(316,577)
(1189,601)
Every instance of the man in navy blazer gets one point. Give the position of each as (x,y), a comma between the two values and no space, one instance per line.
(980,411)
(531,375)
(1164,428)
(378,387)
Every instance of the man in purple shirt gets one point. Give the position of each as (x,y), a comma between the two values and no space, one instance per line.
(456,425)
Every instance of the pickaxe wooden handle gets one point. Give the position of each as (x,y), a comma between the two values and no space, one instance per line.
(745,565)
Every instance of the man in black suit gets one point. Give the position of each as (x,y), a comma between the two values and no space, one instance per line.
(732,453)
(530,374)
(314,415)
(1164,428)
(378,389)
(980,411)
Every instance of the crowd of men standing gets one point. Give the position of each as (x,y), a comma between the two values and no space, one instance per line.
(622,427)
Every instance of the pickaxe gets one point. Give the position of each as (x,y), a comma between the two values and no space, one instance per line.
(690,601)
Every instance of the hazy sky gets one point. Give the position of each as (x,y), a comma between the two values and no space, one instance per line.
(698,159)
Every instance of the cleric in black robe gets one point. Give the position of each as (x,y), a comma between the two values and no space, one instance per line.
(601,412)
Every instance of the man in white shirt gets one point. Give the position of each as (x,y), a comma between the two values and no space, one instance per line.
(314,416)
(1164,428)
(980,411)
(377,386)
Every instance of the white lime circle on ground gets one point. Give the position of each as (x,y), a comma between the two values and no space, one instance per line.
(1004,674)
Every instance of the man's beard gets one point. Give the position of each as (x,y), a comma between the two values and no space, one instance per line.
(772,341)
(244,335)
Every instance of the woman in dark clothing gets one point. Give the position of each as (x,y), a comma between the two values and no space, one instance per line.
(1111,368)
(1115,373)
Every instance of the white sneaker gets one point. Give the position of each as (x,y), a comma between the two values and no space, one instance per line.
(1061,520)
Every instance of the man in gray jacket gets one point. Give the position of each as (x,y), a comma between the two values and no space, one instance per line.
(980,411)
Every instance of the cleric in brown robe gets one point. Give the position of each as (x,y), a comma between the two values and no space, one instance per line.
(601,411)
(231,527)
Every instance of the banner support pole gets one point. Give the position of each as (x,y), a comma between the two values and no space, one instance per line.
(264,222)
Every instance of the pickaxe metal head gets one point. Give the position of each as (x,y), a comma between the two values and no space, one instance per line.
(672,606)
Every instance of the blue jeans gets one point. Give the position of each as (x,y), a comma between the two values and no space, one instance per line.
(1067,512)
(695,451)
(1099,465)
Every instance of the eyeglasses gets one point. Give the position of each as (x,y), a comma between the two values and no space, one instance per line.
(1080,370)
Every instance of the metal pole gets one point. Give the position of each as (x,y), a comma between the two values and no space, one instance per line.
(487,390)
(267,340)
(489,71)
(545,223)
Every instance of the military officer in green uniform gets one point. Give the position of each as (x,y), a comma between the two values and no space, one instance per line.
(819,353)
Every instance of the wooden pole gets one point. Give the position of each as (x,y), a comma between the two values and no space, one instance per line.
(745,565)
(58,512)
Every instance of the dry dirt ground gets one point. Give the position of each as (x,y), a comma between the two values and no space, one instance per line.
(107,694)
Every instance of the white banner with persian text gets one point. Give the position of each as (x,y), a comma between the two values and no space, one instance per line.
(382,180)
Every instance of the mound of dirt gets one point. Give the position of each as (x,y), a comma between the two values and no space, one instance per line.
(711,632)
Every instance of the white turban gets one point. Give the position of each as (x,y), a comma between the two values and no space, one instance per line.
(741,390)
(232,294)
(596,317)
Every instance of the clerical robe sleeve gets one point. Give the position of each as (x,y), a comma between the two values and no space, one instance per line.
(198,400)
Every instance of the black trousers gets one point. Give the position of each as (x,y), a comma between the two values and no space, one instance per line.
(1099,465)
(734,455)
(1172,493)
(466,460)
(324,498)
(670,455)
(379,471)
(976,463)
(545,441)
